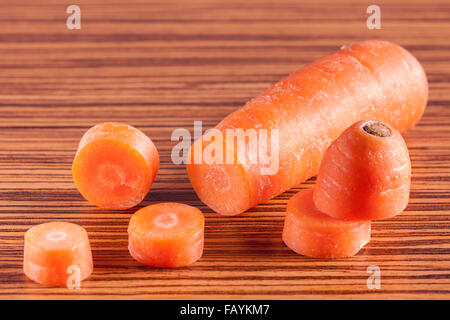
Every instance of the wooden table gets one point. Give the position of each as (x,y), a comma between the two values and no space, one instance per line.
(160,65)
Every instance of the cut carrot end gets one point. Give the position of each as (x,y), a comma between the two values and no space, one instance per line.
(55,251)
(115,166)
(166,235)
(222,187)
(365,174)
(309,232)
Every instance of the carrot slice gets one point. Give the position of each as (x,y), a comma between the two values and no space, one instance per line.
(115,165)
(309,232)
(54,247)
(368,80)
(166,235)
(365,174)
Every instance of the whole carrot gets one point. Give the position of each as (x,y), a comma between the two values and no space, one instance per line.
(365,174)
(115,165)
(368,80)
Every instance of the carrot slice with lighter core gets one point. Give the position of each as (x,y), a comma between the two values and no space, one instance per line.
(365,174)
(166,235)
(56,250)
(115,165)
(309,232)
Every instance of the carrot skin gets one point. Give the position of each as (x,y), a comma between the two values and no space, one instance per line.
(309,232)
(115,165)
(166,235)
(368,80)
(51,248)
(363,176)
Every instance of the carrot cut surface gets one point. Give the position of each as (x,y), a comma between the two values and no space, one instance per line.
(55,250)
(310,108)
(365,174)
(166,235)
(229,182)
(309,232)
(115,165)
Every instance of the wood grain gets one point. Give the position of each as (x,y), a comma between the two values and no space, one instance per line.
(160,65)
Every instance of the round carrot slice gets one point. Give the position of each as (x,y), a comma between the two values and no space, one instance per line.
(115,165)
(56,250)
(166,235)
(365,174)
(309,232)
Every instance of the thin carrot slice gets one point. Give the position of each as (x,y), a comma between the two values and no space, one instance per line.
(51,249)
(166,235)
(368,80)
(309,232)
(365,174)
(115,165)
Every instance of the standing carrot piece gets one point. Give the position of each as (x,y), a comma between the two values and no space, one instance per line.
(368,80)
(365,174)
(56,250)
(115,165)
(166,235)
(309,232)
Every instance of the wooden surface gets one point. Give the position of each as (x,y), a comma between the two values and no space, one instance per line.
(160,66)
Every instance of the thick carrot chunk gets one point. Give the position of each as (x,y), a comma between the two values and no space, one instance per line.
(309,232)
(166,235)
(115,165)
(311,107)
(56,250)
(365,174)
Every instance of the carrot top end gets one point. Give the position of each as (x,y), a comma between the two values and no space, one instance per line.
(377,129)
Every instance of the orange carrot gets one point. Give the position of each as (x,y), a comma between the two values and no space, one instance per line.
(166,235)
(311,108)
(365,174)
(309,232)
(56,250)
(115,165)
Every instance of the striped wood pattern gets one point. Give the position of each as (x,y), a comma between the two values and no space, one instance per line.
(160,65)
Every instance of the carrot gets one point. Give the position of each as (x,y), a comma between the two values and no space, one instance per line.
(368,80)
(55,250)
(115,165)
(166,235)
(365,174)
(309,232)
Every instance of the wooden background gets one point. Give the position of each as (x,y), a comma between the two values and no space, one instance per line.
(160,65)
